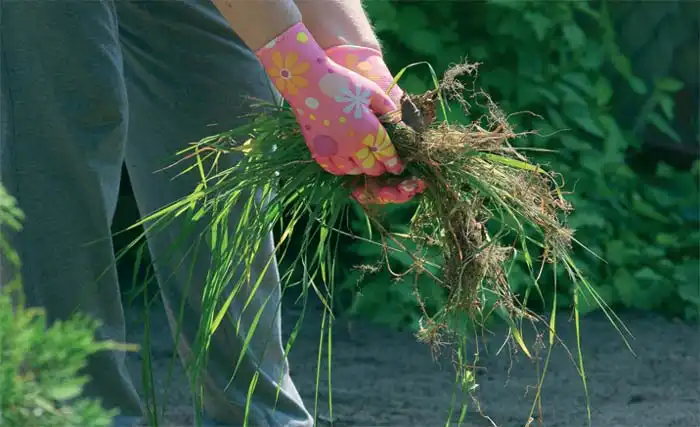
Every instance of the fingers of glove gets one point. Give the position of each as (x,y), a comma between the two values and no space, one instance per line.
(368,164)
(377,154)
(368,63)
(412,185)
(329,166)
(347,165)
(374,191)
(394,165)
(386,195)
(372,154)
(339,165)
(381,145)
(402,192)
(380,102)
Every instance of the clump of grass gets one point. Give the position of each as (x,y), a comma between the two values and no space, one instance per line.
(485,202)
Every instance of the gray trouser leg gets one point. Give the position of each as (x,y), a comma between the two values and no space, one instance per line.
(189,77)
(61,151)
(63,132)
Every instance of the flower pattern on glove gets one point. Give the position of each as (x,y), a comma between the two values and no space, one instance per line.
(361,67)
(367,62)
(377,146)
(288,72)
(357,100)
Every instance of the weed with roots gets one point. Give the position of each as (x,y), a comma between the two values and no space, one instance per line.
(485,204)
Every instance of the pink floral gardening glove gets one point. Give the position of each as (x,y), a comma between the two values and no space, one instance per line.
(370,64)
(336,108)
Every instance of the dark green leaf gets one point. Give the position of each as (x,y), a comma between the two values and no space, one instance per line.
(541,24)
(570,95)
(664,170)
(667,106)
(412,18)
(478,51)
(588,302)
(662,125)
(593,57)
(575,144)
(669,84)
(643,207)
(626,287)
(582,116)
(548,94)
(637,85)
(574,35)
(603,91)
(617,252)
(579,80)
(648,274)
(556,119)
(423,41)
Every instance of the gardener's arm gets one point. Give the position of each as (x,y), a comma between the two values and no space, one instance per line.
(332,22)
(257,22)
(338,22)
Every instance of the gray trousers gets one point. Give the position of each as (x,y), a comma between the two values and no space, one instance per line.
(86,86)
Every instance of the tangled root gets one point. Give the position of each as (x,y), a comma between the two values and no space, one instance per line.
(469,177)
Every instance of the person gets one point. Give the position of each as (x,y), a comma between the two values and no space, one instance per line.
(87,86)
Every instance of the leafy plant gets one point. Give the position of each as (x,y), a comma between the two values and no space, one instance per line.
(40,383)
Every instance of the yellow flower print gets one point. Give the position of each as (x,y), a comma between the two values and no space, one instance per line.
(302,37)
(366,157)
(362,68)
(287,72)
(377,146)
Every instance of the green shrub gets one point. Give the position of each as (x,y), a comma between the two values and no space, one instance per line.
(557,61)
(40,384)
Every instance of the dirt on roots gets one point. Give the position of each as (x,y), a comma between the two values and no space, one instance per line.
(471,172)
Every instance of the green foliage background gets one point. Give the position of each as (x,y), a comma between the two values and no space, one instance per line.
(563,62)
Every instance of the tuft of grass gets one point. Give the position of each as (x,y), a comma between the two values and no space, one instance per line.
(485,203)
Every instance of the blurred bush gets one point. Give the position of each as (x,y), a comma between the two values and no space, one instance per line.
(41,383)
(636,204)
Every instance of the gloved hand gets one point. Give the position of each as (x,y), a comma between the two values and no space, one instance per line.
(370,64)
(336,108)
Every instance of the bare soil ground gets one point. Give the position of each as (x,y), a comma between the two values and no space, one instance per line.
(386,378)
